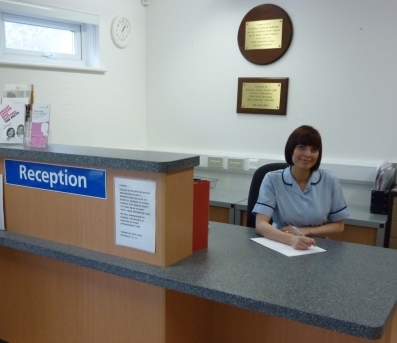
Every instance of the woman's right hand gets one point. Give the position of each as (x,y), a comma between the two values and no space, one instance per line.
(285,235)
(301,242)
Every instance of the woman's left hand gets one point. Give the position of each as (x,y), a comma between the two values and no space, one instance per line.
(288,229)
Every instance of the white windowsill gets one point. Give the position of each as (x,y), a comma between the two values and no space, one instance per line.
(43,66)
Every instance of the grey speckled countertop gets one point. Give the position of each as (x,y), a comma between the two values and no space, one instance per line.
(141,160)
(350,288)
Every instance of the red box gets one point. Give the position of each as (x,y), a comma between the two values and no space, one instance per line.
(201,209)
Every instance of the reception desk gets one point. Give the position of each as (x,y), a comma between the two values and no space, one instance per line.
(89,222)
(63,278)
(234,291)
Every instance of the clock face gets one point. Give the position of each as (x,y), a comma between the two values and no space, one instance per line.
(121,31)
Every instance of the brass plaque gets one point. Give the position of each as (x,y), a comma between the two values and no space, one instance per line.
(261,96)
(263,34)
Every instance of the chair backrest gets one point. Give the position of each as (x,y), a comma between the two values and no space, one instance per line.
(255,186)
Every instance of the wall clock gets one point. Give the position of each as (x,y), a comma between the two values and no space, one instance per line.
(121,31)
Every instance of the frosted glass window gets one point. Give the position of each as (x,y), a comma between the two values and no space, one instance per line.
(58,40)
(39,38)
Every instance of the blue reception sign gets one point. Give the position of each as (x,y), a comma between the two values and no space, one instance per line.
(50,177)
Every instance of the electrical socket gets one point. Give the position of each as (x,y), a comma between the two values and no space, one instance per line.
(235,163)
(215,162)
(145,2)
(253,163)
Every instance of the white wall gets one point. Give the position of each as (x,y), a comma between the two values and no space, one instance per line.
(92,109)
(341,67)
(174,88)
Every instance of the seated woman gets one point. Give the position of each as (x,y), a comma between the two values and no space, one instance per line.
(301,195)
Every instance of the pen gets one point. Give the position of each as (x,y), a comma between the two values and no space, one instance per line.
(298,232)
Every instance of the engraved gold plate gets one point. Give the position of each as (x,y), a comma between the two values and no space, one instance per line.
(261,95)
(264,34)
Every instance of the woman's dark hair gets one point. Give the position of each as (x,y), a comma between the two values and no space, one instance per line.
(305,135)
(9,129)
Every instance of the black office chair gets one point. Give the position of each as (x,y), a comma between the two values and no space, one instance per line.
(256,184)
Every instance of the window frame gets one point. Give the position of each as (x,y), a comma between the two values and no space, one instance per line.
(89,37)
(41,56)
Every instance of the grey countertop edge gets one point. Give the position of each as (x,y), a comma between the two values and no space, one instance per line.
(221,204)
(45,155)
(159,276)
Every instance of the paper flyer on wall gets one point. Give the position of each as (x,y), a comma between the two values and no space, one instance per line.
(135,213)
(19,90)
(24,101)
(12,120)
(39,125)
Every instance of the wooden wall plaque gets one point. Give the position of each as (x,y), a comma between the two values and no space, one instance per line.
(262,95)
(265,34)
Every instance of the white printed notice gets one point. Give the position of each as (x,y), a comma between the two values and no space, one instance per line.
(135,207)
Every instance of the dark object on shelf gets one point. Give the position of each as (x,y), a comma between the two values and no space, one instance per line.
(379,202)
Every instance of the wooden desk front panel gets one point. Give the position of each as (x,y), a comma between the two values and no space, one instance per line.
(90,223)
(195,320)
(48,301)
(393,227)
(356,234)
(219,214)
(44,300)
(244,218)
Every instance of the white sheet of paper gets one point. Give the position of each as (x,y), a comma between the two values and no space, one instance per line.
(135,212)
(285,249)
